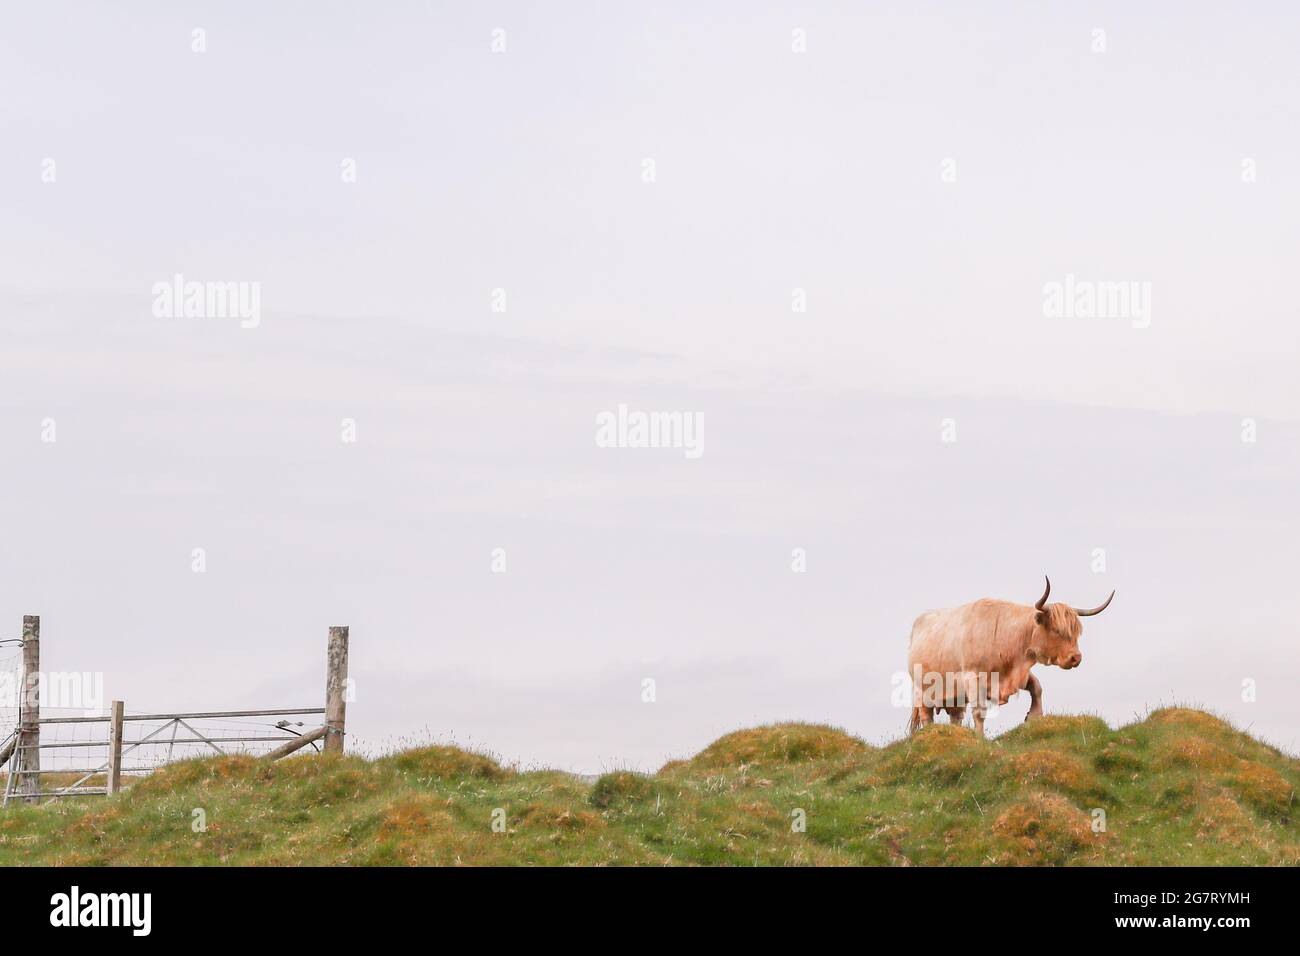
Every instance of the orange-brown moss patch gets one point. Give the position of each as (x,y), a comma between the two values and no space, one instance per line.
(1044,829)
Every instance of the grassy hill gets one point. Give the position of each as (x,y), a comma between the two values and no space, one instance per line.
(1180,787)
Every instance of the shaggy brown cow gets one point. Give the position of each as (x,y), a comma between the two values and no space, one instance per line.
(984,650)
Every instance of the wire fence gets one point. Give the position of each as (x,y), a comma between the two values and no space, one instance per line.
(59,751)
(151,740)
(11,677)
(76,749)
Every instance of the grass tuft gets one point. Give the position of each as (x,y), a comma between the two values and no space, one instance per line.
(1045,828)
(443,762)
(774,744)
(620,787)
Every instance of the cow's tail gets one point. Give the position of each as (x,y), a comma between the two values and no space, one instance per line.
(914,721)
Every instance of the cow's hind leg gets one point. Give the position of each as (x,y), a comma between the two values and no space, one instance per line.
(921,716)
(979,707)
(1035,697)
(976,697)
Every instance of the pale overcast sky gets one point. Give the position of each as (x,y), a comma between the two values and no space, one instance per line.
(917,175)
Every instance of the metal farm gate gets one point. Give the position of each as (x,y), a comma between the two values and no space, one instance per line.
(89,754)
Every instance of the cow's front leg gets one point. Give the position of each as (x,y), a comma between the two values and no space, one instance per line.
(1035,697)
(980,707)
(977,693)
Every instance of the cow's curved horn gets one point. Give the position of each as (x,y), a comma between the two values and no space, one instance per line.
(1046,591)
(1096,610)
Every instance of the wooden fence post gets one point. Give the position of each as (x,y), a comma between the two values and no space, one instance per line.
(336,679)
(115,746)
(294,745)
(28,754)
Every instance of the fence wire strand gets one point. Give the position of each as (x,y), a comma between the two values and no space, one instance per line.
(150,744)
(11,677)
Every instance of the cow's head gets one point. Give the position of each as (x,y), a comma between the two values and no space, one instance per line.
(1056,631)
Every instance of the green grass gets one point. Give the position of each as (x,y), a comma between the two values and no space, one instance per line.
(1180,787)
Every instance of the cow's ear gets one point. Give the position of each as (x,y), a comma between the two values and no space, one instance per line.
(1041,618)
